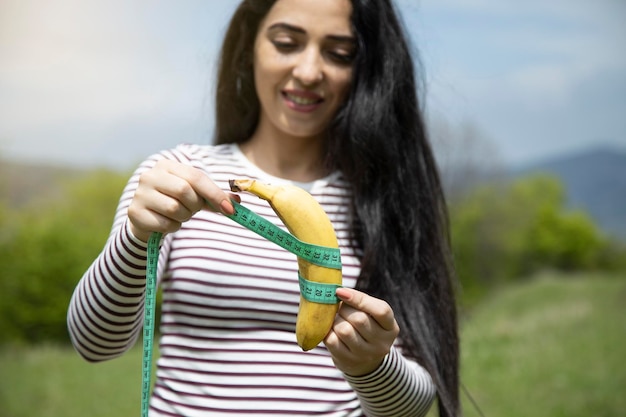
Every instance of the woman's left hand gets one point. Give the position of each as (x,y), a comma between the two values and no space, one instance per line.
(362,334)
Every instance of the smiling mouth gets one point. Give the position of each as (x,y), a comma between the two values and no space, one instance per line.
(303,101)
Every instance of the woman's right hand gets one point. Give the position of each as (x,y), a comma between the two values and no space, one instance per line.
(169,194)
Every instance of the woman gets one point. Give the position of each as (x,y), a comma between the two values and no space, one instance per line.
(320,94)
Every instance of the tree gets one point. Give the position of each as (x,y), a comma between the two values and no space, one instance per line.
(510,229)
(47,247)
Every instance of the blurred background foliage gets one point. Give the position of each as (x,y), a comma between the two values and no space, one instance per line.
(508,230)
(45,246)
(502,231)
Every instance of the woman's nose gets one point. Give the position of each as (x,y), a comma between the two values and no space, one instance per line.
(309,67)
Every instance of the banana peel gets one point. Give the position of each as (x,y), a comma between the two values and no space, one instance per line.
(305,218)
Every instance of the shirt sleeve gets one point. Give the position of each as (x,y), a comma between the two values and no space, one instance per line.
(399,387)
(105,314)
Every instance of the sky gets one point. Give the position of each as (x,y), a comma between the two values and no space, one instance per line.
(107,83)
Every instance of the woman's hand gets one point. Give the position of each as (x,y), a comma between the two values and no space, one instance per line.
(363,333)
(169,194)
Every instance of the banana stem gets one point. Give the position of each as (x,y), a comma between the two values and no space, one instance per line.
(264,191)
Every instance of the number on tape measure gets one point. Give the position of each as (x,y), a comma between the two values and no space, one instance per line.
(318,292)
(152,264)
(315,254)
(313,291)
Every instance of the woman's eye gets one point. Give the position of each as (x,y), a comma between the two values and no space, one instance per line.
(284,45)
(344,58)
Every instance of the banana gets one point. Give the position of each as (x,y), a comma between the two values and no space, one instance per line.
(306,220)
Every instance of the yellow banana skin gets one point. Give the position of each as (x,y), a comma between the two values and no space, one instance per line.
(305,219)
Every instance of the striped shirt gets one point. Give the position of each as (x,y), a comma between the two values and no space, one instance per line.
(229,304)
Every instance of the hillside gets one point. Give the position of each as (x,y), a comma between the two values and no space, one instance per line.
(595,181)
(550,346)
(21,183)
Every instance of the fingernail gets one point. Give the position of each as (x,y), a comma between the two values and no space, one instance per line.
(227,208)
(343,294)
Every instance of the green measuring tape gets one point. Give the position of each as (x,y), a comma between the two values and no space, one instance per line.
(318,255)
(152,264)
(311,291)
(318,292)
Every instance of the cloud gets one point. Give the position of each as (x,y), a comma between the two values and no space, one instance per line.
(101,77)
(78,63)
(73,70)
(526,72)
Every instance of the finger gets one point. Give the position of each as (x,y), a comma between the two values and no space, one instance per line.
(347,334)
(224,207)
(337,348)
(212,197)
(179,183)
(182,195)
(350,353)
(168,178)
(145,220)
(211,194)
(170,207)
(378,309)
(362,322)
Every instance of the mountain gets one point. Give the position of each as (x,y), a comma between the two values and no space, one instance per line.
(595,181)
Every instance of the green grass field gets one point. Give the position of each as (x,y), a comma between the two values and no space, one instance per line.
(550,347)
(553,346)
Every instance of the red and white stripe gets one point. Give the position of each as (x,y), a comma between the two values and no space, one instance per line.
(229,303)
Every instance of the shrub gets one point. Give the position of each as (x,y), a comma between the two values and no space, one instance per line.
(44,250)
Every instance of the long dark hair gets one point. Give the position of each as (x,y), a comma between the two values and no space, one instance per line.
(378,141)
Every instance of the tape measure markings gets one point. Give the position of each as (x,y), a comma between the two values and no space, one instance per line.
(313,291)
(152,264)
(319,255)
(318,292)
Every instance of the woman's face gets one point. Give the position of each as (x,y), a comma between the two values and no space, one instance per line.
(303,65)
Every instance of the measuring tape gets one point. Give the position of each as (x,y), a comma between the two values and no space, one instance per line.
(152,264)
(315,254)
(316,292)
